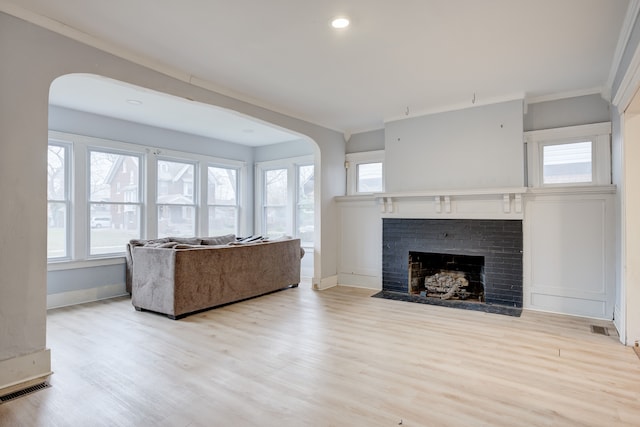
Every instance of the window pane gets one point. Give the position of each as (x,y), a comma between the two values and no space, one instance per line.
(222,220)
(175,182)
(567,163)
(113,177)
(57,230)
(275,187)
(222,188)
(276,221)
(112,226)
(369,176)
(56,173)
(176,221)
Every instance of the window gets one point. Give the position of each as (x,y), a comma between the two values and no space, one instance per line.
(577,155)
(567,163)
(369,177)
(222,200)
(365,172)
(175,201)
(287,198)
(58,200)
(274,214)
(103,193)
(114,201)
(305,205)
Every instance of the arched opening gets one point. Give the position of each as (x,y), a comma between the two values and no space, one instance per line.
(109,141)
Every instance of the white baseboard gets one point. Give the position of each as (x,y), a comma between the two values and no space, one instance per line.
(24,371)
(360,281)
(326,283)
(80,296)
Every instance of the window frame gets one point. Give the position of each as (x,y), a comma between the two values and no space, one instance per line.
(89,202)
(353,160)
(238,197)
(195,190)
(66,200)
(599,134)
(291,165)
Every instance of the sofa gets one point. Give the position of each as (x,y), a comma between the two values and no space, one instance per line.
(178,279)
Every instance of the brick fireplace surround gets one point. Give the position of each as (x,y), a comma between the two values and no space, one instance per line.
(498,241)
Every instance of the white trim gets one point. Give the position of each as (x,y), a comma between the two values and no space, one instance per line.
(325,283)
(81,296)
(360,281)
(84,263)
(24,371)
(625,33)
(567,132)
(564,95)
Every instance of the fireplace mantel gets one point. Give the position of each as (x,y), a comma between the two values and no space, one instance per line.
(485,203)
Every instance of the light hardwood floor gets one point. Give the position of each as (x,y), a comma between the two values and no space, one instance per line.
(332,358)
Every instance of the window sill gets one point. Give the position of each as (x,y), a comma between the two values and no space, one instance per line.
(87,263)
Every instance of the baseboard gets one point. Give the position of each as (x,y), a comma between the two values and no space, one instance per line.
(360,281)
(325,283)
(617,322)
(24,371)
(81,296)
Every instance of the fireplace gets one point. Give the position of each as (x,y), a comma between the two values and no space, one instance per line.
(488,253)
(446,276)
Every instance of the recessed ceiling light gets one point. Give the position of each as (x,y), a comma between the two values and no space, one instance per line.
(340,22)
(134,101)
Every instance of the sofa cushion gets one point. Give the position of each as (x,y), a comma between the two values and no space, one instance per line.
(186,240)
(219,240)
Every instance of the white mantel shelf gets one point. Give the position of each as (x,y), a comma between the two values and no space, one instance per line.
(458,193)
(483,203)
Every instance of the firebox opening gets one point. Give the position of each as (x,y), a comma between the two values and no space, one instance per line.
(446,276)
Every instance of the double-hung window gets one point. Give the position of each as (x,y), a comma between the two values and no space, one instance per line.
(58,200)
(222,200)
(115,200)
(275,215)
(176,201)
(286,198)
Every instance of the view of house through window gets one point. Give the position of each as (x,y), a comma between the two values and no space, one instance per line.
(176,201)
(114,200)
(222,199)
(57,200)
(567,163)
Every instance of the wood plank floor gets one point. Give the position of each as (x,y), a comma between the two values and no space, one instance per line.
(332,358)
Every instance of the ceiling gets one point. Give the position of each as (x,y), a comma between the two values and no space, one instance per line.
(397,59)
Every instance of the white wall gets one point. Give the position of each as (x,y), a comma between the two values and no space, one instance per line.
(31,59)
(478,147)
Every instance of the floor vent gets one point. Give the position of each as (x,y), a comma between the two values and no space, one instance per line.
(24,392)
(601,330)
